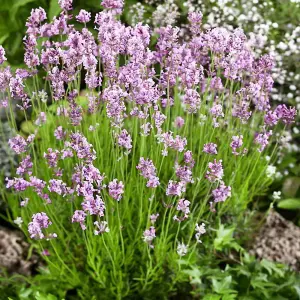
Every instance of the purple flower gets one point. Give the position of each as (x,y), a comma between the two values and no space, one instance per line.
(39,222)
(59,133)
(148,171)
(195,19)
(175,188)
(192,100)
(83,16)
(42,118)
(149,236)
(210,148)
(183,206)
(124,140)
(116,189)
(25,166)
(79,217)
(2,55)
(184,173)
(237,142)
(116,5)
(52,157)
(221,193)
(271,118)
(179,122)
(18,144)
(65,4)
(153,218)
(287,115)
(94,206)
(215,171)
(59,187)
(216,84)
(263,140)
(188,158)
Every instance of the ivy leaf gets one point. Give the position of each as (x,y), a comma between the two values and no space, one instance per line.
(289,204)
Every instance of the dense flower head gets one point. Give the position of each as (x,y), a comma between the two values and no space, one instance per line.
(79,217)
(210,148)
(83,16)
(215,171)
(116,189)
(39,222)
(124,140)
(65,4)
(149,236)
(221,193)
(237,142)
(2,55)
(101,227)
(18,144)
(25,166)
(262,139)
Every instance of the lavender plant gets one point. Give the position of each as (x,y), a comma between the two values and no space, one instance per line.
(143,150)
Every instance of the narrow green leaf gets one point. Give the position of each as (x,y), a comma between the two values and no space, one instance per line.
(289,204)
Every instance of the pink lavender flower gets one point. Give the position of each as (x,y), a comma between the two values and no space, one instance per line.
(24,202)
(178,143)
(153,218)
(184,173)
(59,133)
(25,166)
(94,206)
(2,55)
(182,206)
(287,115)
(39,222)
(52,157)
(59,187)
(237,142)
(19,184)
(101,227)
(42,118)
(148,171)
(215,171)
(221,193)
(262,139)
(179,122)
(124,140)
(210,148)
(200,230)
(116,5)
(271,118)
(149,236)
(116,189)
(18,144)
(216,84)
(192,100)
(188,158)
(79,217)
(83,16)
(65,4)
(175,188)
(195,19)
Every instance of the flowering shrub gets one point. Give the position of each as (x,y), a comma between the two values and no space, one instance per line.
(120,183)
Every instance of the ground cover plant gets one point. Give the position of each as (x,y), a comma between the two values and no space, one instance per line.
(144,153)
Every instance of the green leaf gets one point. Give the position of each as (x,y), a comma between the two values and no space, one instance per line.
(54,9)
(15,7)
(223,286)
(224,237)
(212,297)
(289,204)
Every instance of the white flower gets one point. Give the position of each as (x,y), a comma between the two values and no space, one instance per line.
(182,249)
(271,171)
(200,231)
(277,195)
(18,221)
